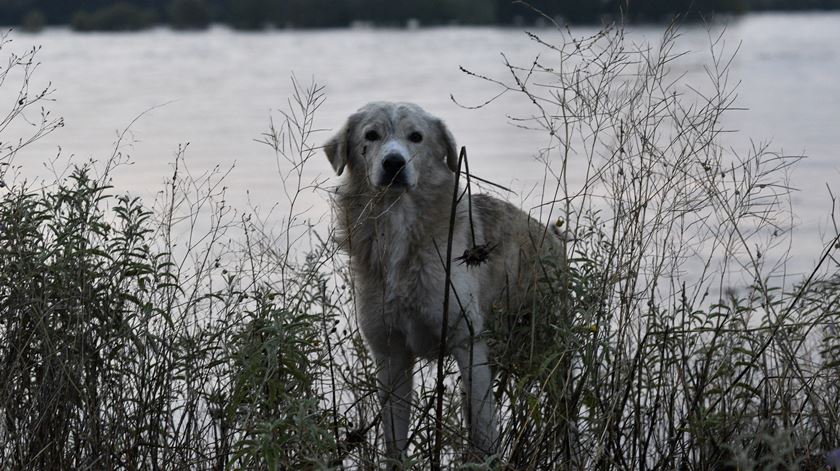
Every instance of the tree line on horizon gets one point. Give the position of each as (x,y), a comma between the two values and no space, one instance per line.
(87,15)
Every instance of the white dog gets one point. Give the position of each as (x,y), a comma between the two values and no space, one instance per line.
(393,210)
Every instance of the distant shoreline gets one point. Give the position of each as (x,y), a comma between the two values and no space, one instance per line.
(216,26)
(257,15)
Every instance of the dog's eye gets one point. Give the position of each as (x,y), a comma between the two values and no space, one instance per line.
(415,137)
(372,135)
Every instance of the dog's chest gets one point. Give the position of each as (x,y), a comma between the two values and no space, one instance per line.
(407,266)
(405,287)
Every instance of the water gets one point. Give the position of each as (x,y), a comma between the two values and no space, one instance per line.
(219,87)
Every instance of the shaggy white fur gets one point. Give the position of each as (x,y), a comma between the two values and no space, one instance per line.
(394,209)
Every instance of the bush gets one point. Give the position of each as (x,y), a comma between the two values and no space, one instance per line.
(121,16)
(252,14)
(104,345)
(33,22)
(188,14)
(72,308)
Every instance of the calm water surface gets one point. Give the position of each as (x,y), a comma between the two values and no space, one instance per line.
(219,88)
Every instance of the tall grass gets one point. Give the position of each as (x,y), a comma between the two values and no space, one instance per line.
(184,333)
(689,346)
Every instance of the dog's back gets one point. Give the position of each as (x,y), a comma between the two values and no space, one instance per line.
(527,253)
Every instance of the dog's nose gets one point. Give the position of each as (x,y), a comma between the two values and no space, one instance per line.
(393,163)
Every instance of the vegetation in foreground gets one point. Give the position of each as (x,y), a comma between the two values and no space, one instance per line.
(186,334)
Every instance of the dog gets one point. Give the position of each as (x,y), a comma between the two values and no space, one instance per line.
(393,209)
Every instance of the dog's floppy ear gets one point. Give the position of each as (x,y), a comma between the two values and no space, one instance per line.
(449,142)
(338,147)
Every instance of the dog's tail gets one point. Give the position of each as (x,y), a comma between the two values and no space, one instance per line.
(561,230)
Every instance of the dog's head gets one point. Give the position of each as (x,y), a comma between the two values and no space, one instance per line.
(393,146)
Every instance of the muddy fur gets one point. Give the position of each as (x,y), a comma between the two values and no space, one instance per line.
(394,226)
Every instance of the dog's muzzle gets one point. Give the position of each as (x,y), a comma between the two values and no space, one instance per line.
(393,171)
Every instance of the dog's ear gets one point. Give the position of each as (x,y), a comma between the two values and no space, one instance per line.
(449,142)
(338,147)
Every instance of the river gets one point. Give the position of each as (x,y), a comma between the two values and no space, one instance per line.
(217,88)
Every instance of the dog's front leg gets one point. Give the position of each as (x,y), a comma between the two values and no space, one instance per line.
(395,374)
(479,404)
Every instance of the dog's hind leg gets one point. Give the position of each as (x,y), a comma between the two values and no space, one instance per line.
(395,374)
(479,407)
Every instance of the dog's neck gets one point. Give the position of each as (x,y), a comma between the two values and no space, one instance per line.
(376,228)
